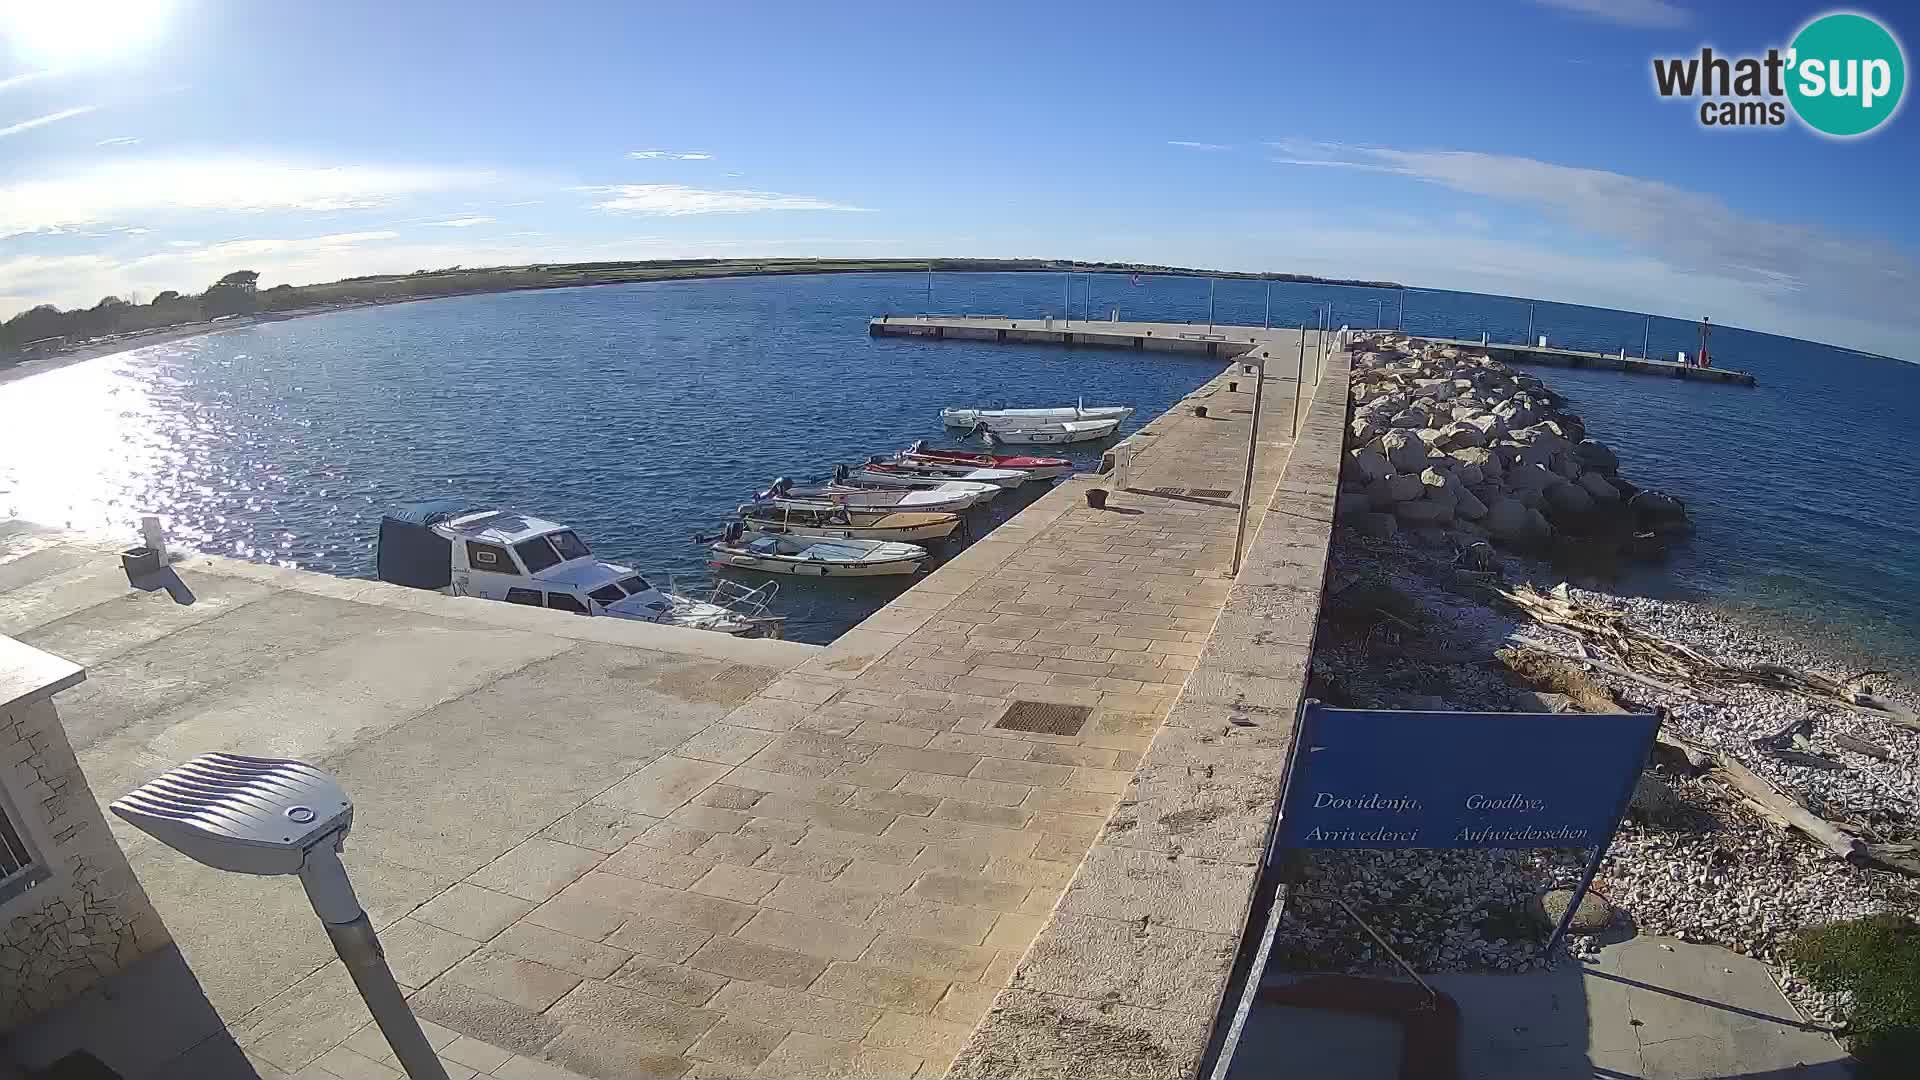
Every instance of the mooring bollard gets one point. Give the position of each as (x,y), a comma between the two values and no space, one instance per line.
(1200,411)
(1097,498)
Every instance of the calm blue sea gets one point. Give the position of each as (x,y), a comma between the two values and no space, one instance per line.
(642,414)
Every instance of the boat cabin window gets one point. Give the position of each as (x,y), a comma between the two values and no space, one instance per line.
(566,602)
(608,594)
(634,585)
(524,596)
(489,558)
(537,554)
(569,544)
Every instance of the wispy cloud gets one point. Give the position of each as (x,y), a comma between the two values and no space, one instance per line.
(279,248)
(1186,145)
(50,118)
(123,140)
(1649,14)
(675,200)
(116,190)
(1687,232)
(24,78)
(463,222)
(670,155)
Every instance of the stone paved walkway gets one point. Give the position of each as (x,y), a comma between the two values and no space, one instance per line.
(839,876)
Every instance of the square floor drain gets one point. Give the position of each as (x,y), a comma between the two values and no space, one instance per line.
(1209,493)
(1044,718)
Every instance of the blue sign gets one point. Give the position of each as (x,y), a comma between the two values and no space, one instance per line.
(1364,778)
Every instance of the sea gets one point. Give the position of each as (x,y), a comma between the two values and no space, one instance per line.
(642,415)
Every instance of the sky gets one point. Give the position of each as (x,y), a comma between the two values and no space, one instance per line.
(1503,146)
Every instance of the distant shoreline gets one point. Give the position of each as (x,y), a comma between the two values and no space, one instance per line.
(440,285)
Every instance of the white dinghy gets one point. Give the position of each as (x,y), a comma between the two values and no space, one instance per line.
(806,557)
(997,418)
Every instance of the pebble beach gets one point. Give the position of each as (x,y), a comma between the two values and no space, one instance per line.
(1465,477)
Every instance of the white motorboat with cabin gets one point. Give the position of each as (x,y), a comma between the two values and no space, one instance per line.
(808,557)
(966,418)
(520,559)
(823,520)
(1057,433)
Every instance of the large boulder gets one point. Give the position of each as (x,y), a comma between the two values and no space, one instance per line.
(1598,487)
(1412,416)
(1530,477)
(1569,498)
(1378,526)
(1423,512)
(1347,505)
(1368,465)
(1467,505)
(1366,427)
(1507,519)
(1387,491)
(1404,450)
(1459,436)
(1485,460)
(1596,455)
(1468,474)
(1439,486)
(1653,507)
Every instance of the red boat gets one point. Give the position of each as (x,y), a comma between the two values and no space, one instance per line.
(1039,468)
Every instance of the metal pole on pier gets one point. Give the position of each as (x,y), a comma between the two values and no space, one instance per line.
(1267,319)
(1299,369)
(1066,298)
(1253,444)
(929,288)
(1400,317)
(1646,335)
(1379,317)
(1529,322)
(1210,284)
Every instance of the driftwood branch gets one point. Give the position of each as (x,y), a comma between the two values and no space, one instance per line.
(1767,799)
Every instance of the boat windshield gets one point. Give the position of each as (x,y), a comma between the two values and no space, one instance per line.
(537,554)
(635,585)
(569,545)
(608,594)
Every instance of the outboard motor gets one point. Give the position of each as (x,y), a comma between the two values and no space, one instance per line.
(840,474)
(876,459)
(734,532)
(919,446)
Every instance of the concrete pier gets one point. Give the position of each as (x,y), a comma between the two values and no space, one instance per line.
(1223,340)
(1576,358)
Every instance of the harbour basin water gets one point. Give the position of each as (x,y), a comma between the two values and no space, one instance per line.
(641,414)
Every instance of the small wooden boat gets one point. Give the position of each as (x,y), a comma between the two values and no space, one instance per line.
(1047,434)
(869,498)
(807,557)
(829,521)
(1036,468)
(966,418)
(877,467)
(864,476)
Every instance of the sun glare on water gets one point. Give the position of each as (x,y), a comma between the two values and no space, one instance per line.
(61,32)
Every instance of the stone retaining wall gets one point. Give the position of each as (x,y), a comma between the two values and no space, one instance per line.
(87,916)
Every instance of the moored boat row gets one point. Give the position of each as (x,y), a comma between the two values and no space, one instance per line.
(865,520)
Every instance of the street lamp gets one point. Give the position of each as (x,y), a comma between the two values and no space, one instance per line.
(271,816)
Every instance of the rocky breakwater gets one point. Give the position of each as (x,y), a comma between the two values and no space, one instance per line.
(1463,450)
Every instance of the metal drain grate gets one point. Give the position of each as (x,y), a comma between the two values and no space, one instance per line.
(1044,718)
(1167,490)
(1209,493)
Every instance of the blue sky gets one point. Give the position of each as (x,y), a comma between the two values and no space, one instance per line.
(1511,146)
